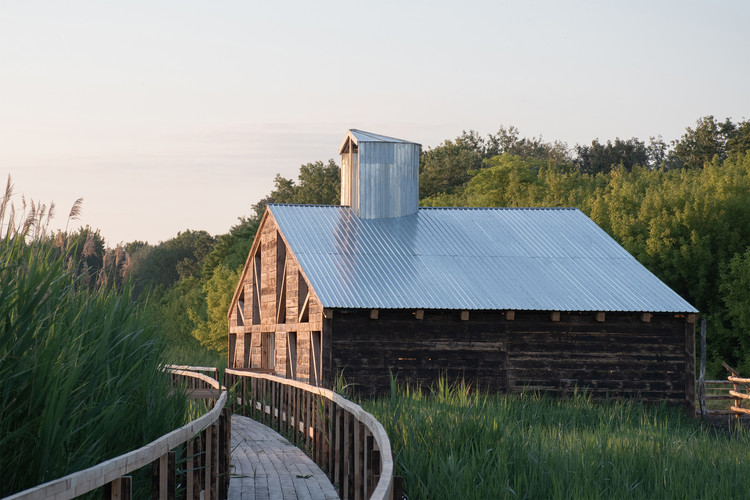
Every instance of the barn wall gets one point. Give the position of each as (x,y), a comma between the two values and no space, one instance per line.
(623,355)
(273,278)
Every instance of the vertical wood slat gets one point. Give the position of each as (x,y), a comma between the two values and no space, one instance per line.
(357,435)
(313,428)
(163,477)
(189,447)
(171,483)
(331,433)
(306,410)
(347,456)
(207,461)
(214,462)
(119,489)
(338,455)
(244,396)
(224,427)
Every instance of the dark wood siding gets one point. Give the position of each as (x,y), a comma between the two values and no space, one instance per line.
(622,355)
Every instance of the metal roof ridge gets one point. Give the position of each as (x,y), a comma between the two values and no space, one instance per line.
(500,208)
(378,137)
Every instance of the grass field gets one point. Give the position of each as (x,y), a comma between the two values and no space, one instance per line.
(451,442)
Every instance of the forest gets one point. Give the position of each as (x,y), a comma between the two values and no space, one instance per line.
(682,208)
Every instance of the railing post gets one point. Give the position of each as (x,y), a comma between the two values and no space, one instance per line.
(224,452)
(214,462)
(163,477)
(119,489)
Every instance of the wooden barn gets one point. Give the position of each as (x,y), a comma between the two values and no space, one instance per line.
(508,299)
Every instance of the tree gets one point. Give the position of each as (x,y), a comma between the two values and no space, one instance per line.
(167,262)
(709,139)
(318,183)
(445,168)
(211,329)
(604,157)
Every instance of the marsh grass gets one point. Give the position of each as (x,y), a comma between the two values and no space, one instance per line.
(453,442)
(80,367)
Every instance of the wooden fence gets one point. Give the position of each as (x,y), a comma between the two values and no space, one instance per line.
(343,439)
(204,444)
(729,390)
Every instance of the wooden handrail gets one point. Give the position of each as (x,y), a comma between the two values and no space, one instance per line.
(337,431)
(107,472)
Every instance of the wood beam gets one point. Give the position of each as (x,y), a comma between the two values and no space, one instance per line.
(510,315)
(419,314)
(692,318)
(373,314)
(600,317)
(328,313)
(464,315)
(305,305)
(646,317)
(554,316)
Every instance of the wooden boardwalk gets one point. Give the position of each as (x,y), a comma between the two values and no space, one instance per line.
(265,466)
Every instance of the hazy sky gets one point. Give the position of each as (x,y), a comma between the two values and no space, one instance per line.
(174,115)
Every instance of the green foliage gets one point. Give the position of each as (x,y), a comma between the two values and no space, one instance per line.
(445,168)
(734,345)
(318,184)
(710,139)
(604,157)
(211,329)
(451,442)
(167,262)
(80,369)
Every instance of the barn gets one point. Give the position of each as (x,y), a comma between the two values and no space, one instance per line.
(508,299)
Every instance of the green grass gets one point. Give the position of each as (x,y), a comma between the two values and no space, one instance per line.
(80,369)
(451,442)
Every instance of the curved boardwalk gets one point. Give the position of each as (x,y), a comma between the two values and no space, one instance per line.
(265,466)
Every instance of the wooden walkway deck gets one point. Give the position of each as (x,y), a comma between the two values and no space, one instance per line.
(265,466)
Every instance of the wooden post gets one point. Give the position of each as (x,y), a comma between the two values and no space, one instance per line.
(214,463)
(397,488)
(224,452)
(357,431)
(338,457)
(171,475)
(702,373)
(347,456)
(735,387)
(119,489)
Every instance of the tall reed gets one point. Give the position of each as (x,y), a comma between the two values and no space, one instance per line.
(452,442)
(80,367)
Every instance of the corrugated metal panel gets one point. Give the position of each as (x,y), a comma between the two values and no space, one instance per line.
(453,258)
(362,136)
(388,179)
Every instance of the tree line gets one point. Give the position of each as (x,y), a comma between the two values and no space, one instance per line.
(681,208)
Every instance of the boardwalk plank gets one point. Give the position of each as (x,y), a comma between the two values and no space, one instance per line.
(265,466)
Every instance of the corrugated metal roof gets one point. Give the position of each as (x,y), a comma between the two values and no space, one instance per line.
(463,258)
(362,136)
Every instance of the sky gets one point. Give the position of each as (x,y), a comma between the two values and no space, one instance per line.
(172,115)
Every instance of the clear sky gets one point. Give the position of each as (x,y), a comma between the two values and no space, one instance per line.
(174,115)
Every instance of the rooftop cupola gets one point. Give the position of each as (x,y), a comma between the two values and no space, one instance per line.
(379,175)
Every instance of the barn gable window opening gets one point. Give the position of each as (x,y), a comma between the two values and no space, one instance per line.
(256,287)
(291,355)
(240,312)
(303,298)
(280,279)
(316,359)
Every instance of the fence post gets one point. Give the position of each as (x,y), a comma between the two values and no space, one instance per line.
(224,453)
(119,489)
(702,374)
